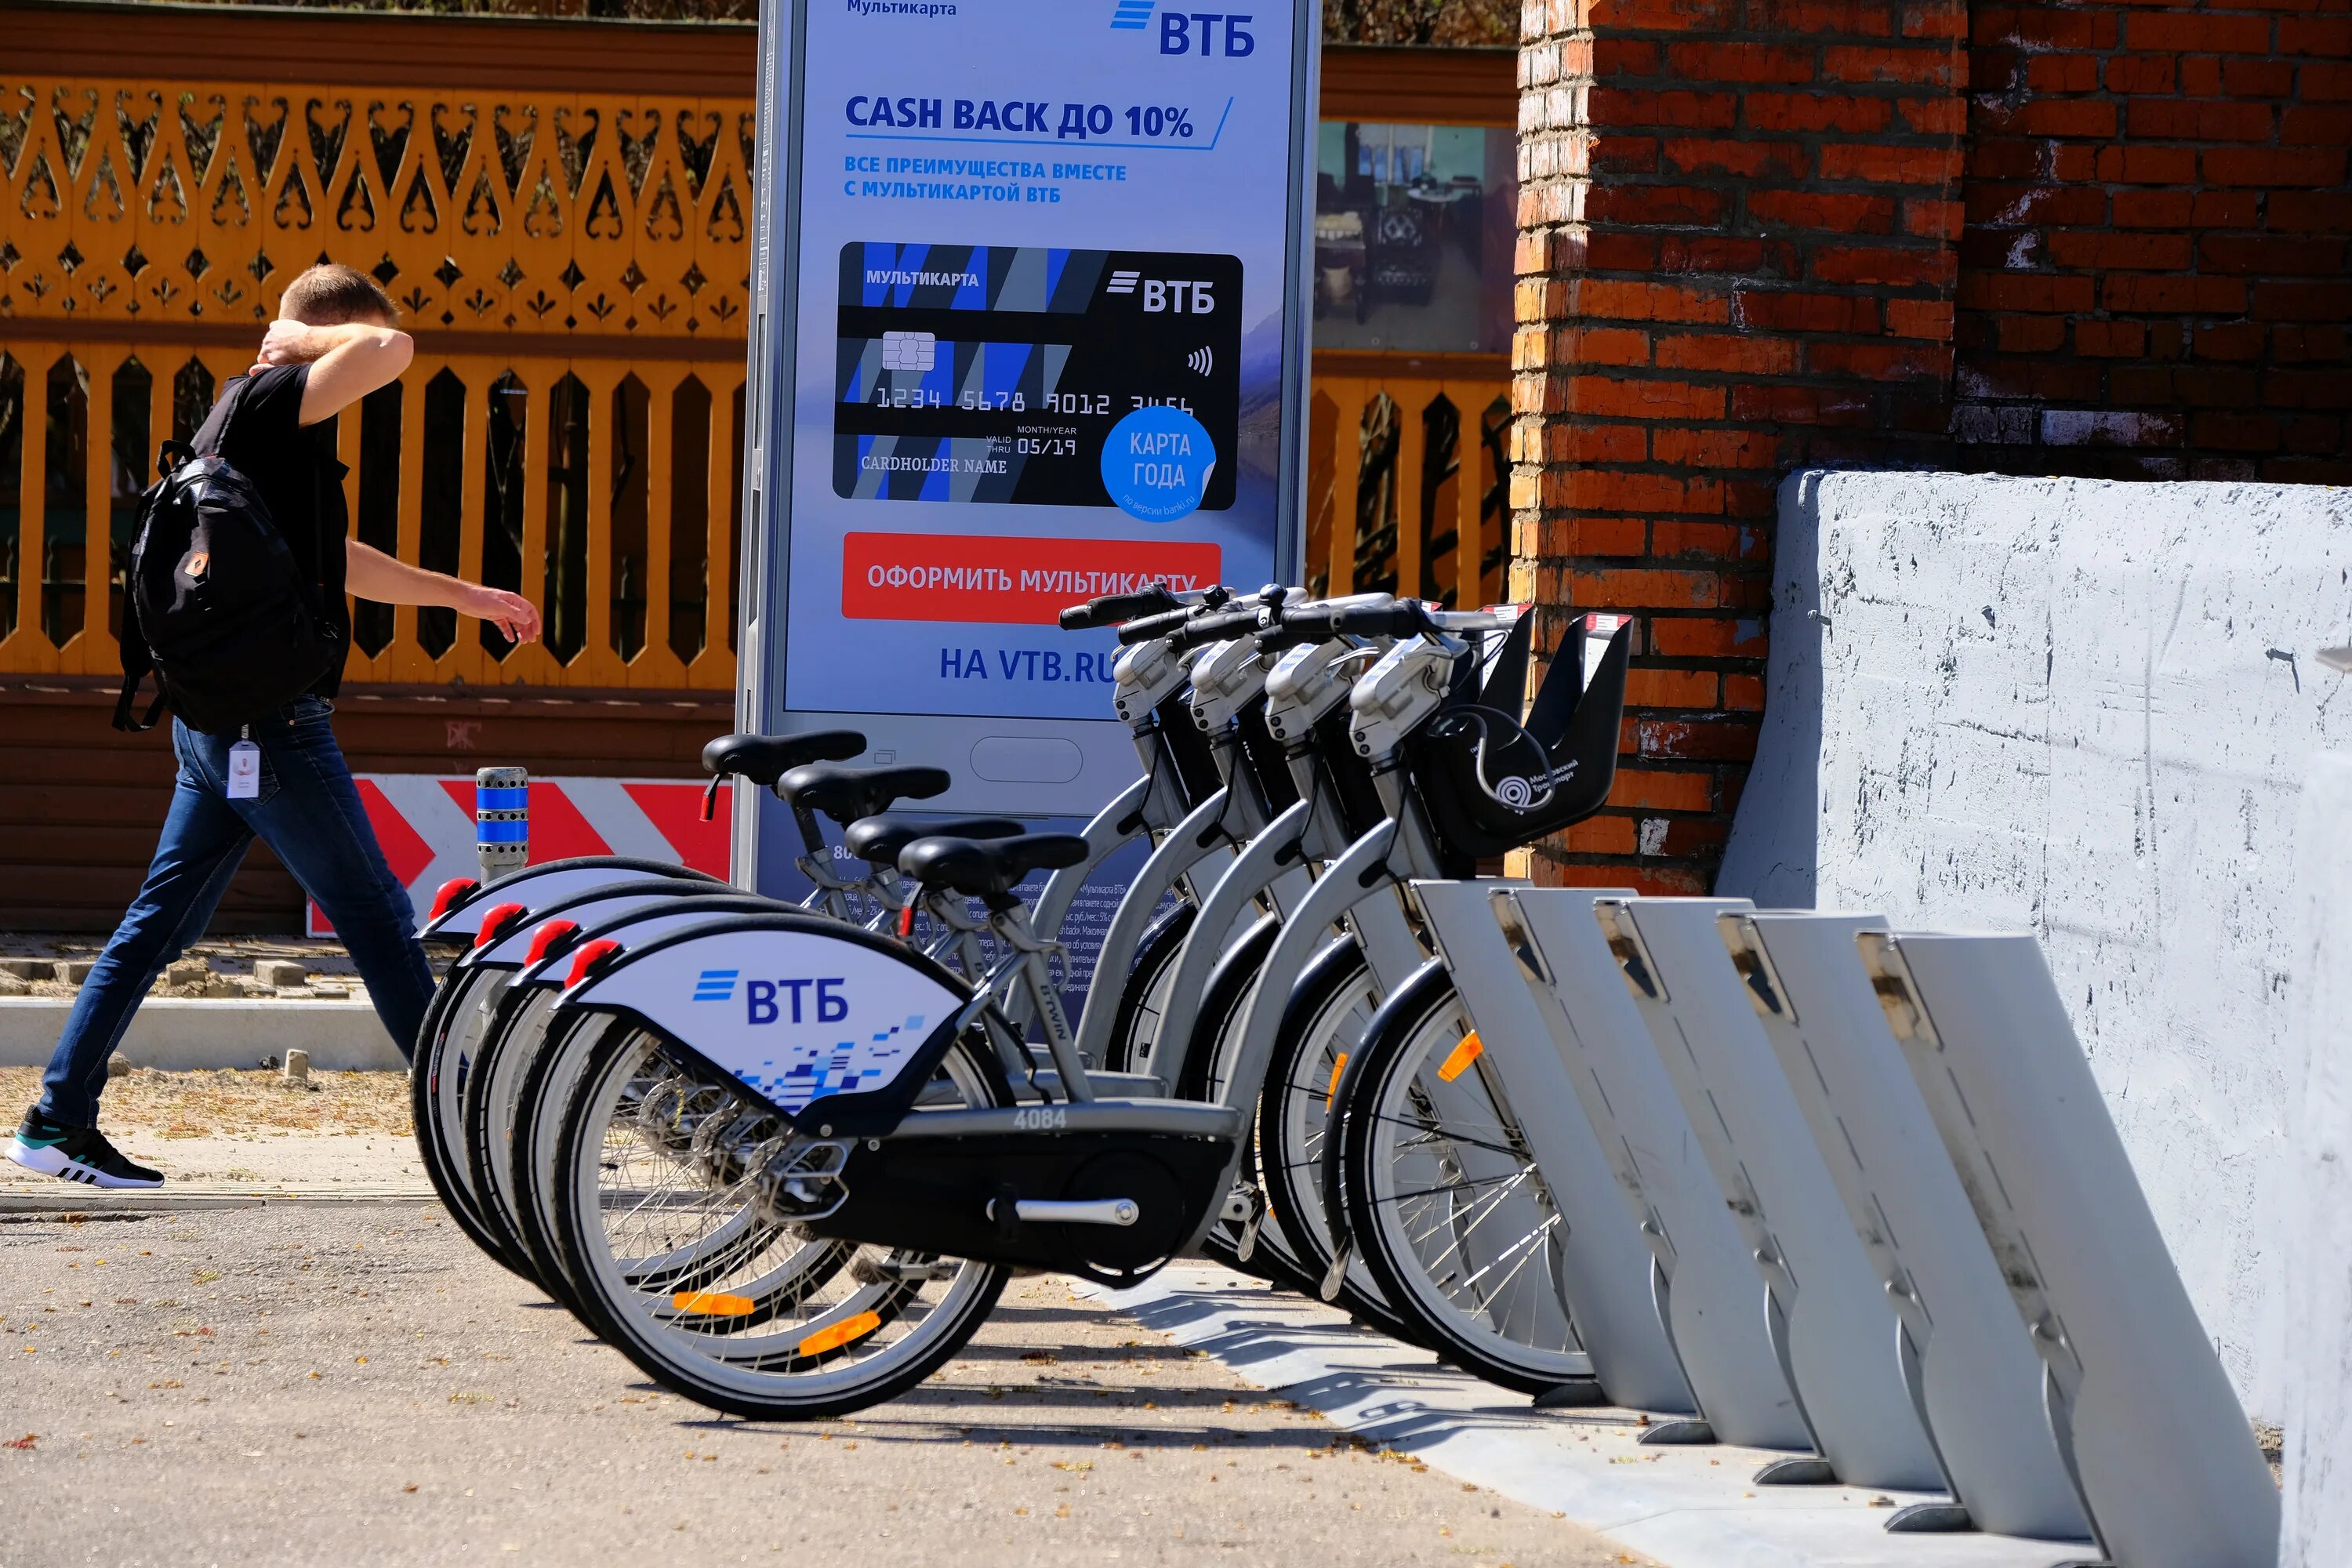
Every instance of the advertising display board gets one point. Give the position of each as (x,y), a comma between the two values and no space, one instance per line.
(1029,327)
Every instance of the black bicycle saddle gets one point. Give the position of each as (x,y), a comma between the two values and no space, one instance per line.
(846,794)
(764,759)
(880,838)
(987,869)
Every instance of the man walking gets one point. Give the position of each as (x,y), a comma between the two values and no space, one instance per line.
(334,342)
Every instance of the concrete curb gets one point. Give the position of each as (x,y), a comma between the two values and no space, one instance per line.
(71,1199)
(182,1034)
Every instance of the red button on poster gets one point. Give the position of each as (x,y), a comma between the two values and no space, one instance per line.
(953,578)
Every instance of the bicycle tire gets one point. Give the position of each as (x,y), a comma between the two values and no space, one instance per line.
(1141,995)
(488,1099)
(1420,1047)
(435,1078)
(1337,993)
(1216,1031)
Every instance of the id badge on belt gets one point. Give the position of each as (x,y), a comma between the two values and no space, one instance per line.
(245,767)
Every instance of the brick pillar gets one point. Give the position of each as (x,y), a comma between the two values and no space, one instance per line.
(1737,222)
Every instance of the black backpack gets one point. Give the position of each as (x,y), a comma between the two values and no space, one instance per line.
(216,604)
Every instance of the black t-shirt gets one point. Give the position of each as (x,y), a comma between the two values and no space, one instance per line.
(295,468)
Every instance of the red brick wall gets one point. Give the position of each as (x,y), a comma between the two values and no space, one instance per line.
(1737,256)
(2153,274)
(1751,241)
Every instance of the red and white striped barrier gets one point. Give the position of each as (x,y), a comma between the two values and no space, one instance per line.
(426,825)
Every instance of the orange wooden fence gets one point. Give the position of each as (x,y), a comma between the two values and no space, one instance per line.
(574,267)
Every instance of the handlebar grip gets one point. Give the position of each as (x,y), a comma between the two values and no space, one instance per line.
(1112,608)
(1320,623)
(1150,627)
(1217,628)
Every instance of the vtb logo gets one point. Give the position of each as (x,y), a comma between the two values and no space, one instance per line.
(1189,32)
(813,1000)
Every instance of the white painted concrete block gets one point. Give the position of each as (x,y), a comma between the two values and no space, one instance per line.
(181,1035)
(2082,709)
(2317,1533)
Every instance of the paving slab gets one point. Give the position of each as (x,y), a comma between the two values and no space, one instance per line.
(1685,1506)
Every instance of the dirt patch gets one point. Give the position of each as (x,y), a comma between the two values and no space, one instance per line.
(227,1103)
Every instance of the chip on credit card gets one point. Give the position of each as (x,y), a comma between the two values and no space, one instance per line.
(994,373)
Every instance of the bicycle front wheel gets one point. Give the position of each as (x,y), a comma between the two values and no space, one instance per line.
(1447,1205)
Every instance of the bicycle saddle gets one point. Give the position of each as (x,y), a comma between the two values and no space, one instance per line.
(764,759)
(880,838)
(987,869)
(845,794)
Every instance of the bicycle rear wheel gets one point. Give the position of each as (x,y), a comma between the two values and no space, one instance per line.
(1447,1204)
(493,1081)
(437,1082)
(856,1324)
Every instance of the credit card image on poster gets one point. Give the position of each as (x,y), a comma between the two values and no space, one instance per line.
(994,373)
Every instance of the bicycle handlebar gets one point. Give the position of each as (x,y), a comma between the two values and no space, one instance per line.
(1112,608)
(1156,601)
(1150,627)
(1216,628)
(1321,623)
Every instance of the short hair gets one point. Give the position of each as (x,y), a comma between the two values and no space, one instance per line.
(330,294)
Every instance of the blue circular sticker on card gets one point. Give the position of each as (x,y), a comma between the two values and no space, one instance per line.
(1156,464)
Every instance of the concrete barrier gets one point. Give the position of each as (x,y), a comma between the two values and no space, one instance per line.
(2317,1531)
(179,1034)
(2079,709)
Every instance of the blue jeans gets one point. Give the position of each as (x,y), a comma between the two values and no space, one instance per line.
(310,813)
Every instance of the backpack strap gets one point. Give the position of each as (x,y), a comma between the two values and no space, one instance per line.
(138,662)
(230,406)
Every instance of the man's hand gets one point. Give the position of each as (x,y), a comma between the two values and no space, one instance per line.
(512,614)
(370,574)
(291,342)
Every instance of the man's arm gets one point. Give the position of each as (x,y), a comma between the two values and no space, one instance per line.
(370,574)
(346,362)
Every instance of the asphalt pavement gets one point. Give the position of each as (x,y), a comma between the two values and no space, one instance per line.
(351,1382)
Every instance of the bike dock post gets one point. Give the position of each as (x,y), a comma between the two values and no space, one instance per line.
(1830,1323)
(1701,1278)
(1604,1265)
(1969,1367)
(2158,1444)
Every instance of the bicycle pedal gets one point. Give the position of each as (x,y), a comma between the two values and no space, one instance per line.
(1334,1277)
(1246,1248)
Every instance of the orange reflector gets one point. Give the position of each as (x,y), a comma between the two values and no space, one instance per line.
(1458,1063)
(841,1333)
(1332,1092)
(714,1304)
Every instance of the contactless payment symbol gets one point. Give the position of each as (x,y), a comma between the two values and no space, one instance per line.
(1156,463)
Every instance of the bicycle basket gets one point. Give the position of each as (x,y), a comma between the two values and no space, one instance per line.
(1493,784)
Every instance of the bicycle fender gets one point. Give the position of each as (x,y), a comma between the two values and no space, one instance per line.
(598,905)
(836,1029)
(536,887)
